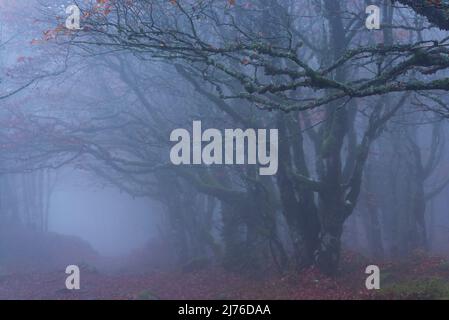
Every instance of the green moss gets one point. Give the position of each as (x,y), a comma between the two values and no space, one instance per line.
(444,266)
(327,145)
(147,295)
(422,289)
(223,296)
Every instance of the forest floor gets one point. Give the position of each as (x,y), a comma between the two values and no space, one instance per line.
(420,278)
(417,277)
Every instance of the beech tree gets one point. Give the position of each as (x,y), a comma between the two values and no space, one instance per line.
(331,87)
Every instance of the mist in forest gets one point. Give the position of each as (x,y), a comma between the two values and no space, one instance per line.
(248,140)
(112,222)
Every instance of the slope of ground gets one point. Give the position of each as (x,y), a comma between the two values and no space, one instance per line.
(23,250)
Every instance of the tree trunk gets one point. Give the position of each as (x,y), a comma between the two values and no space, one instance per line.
(332,213)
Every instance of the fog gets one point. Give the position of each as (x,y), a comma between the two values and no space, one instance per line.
(244,141)
(112,222)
